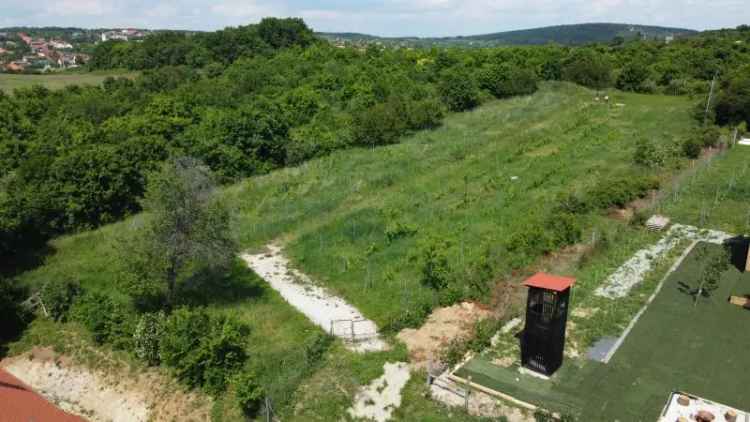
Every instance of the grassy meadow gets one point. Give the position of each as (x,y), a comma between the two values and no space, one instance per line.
(356,221)
(476,181)
(11,81)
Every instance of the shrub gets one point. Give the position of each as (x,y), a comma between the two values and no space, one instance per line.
(316,347)
(148,332)
(563,229)
(587,67)
(424,114)
(648,154)
(249,393)
(710,136)
(618,191)
(692,148)
(108,321)
(435,269)
(203,350)
(506,80)
(58,296)
(458,89)
(381,124)
(633,77)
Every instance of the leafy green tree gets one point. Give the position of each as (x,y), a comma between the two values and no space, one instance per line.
(733,102)
(186,228)
(632,76)
(249,393)
(587,67)
(506,80)
(458,89)
(715,262)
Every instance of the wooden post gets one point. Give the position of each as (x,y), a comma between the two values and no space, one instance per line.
(466,395)
(268,410)
(352,326)
(331,327)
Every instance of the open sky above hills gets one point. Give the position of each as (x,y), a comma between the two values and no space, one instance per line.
(385,17)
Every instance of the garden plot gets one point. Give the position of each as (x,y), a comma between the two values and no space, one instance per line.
(635,269)
(330,312)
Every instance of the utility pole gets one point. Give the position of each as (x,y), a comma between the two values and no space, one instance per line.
(710,96)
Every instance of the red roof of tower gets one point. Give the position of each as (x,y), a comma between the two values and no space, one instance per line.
(549,282)
(19,403)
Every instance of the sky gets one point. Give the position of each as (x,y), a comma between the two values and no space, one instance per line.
(385,17)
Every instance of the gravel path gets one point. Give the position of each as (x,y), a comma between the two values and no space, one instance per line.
(635,269)
(382,396)
(329,312)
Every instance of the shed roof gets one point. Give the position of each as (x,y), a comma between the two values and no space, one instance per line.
(549,282)
(18,402)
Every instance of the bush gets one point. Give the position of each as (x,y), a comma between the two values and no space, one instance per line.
(148,332)
(710,136)
(563,229)
(108,321)
(618,191)
(249,393)
(506,80)
(204,350)
(587,67)
(315,349)
(58,296)
(382,124)
(647,154)
(435,270)
(633,77)
(692,148)
(458,89)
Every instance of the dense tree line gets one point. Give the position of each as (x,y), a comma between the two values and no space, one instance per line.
(250,99)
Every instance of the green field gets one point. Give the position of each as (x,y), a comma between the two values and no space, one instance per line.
(474,182)
(9,82)
(674,346)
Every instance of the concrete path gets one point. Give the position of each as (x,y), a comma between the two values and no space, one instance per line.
(324,309)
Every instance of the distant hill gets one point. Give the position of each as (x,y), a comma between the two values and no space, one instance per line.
(560,34)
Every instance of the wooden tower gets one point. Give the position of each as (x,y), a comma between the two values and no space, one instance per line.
(543,339)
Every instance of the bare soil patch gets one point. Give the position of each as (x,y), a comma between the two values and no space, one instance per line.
(117,395)
(443,325)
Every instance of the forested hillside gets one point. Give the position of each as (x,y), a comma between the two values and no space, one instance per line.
(561,34)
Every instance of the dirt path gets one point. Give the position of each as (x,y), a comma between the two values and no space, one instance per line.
(443,325)
(382,396)
(100,397)
(329,312)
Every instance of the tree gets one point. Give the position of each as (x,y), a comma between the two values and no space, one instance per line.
(186,229)
(733,103)
(715,262)
(458,89)
(587,67)
(632,77)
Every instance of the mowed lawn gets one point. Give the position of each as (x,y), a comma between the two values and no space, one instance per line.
(357,220)
(9,82)
(699,349)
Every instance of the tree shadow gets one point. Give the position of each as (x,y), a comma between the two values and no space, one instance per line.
(208,286)
(737,248)
(25,258)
